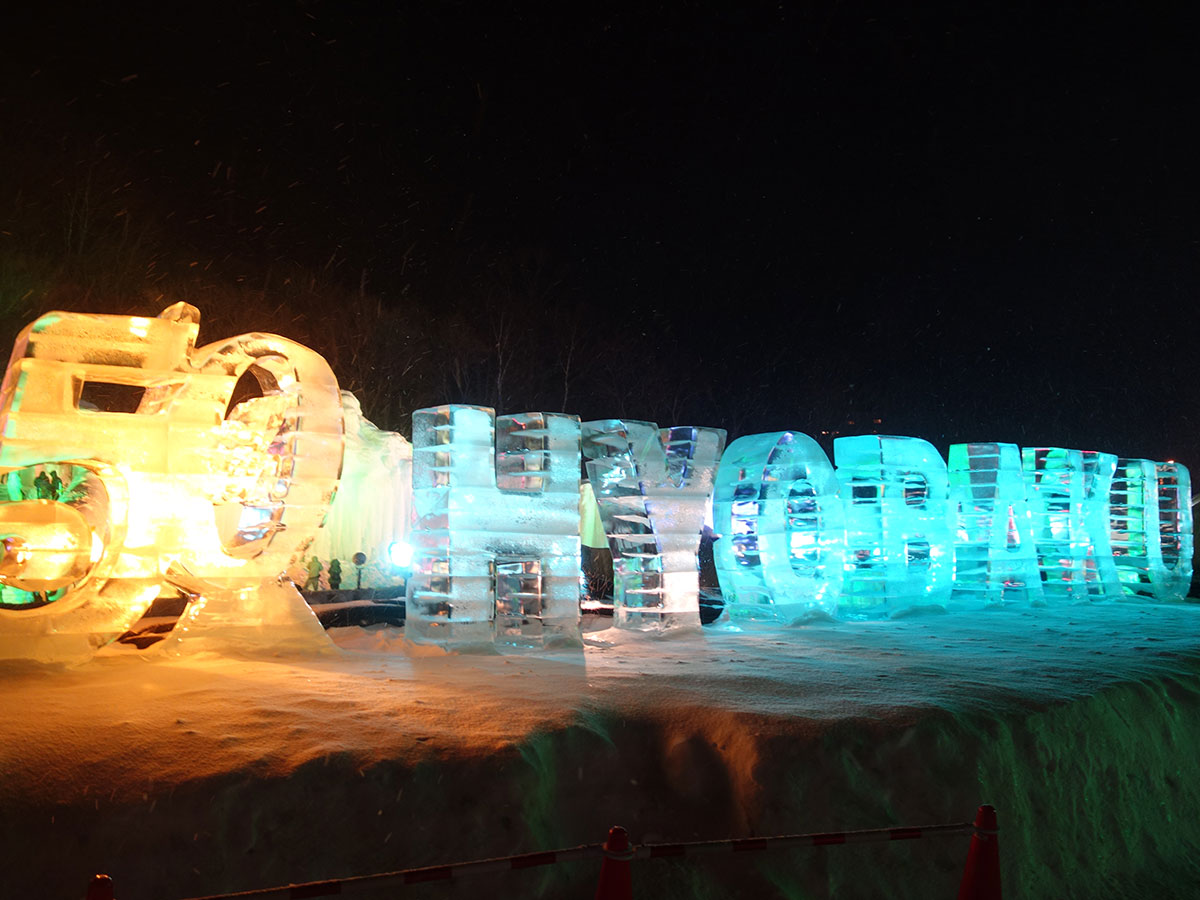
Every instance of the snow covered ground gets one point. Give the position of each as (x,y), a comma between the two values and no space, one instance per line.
(182,776)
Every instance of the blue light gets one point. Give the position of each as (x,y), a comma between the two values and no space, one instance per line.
(400,554)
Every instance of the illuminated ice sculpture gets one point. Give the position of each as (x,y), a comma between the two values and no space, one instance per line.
(1175,527)
(777,509)
(133,460)
(496,540)
(1151,529)
(1057,482)
(995,559)
(899,546)
(1099,566)
(653,487)
(371,512)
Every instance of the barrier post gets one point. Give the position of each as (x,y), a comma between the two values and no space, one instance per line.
(981,876)
(100,888)
(616,877)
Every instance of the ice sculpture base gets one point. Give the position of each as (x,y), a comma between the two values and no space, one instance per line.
(269,619)
(72,634)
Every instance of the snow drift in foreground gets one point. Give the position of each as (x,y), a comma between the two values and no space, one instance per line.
(186,776)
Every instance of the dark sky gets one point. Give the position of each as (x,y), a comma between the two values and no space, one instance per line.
(974,221)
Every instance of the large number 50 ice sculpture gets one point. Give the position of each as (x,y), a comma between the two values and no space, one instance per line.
(497,531)
(652,488)
(131,460)
(776,502)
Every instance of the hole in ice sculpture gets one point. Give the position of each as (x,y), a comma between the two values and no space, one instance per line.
(255,442)
(109,397)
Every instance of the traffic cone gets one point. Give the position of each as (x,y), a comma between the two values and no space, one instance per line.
(100,888)
(981,877)
(616,879)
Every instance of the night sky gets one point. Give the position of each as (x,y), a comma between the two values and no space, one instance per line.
(970,221)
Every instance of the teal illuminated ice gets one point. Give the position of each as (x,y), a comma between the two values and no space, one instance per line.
(777,509)
(1136,542)
(1175,528)
(1099,568)
(497,532)
(899,549)
(1055,489)
(995,560)
(652,487)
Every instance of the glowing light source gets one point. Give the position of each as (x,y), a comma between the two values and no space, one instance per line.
(400,554)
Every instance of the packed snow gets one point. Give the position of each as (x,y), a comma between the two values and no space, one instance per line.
(183,775)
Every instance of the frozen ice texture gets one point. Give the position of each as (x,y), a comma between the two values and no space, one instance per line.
(1152,528)
(208,470)
(497,531)
(373,504)
(1055,482)
(995,559)
(899,548)
(776,506)
(1137,542)
(653,487)
(1099,567)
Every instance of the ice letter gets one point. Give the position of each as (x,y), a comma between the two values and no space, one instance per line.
(898,525)
(1101,570)
(206,469)
(1054,478)
(1167,531)
(1137,543)
(995,560)
(777,508)
(497,532)
(652,488)
(1175,526)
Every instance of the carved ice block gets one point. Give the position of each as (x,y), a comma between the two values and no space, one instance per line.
(779,516)
(899,550)
(995,559)
(653,487)
(496,539)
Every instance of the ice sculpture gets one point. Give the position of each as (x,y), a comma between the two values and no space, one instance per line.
(652,488)
(374,498)
(205,469)
(1099,567)
(995,559)
(1054,478)
(1175,527)
(1151,518)
(899,549)
(497,531)
(777,509)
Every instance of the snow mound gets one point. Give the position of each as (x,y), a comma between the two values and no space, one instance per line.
(187,775)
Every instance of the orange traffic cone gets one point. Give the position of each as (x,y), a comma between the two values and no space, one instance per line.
(981,877)
(100,888)
(616,879)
